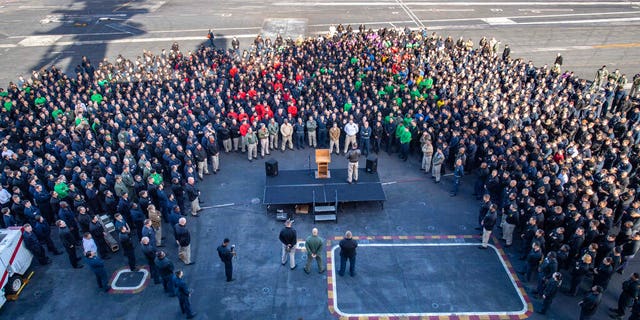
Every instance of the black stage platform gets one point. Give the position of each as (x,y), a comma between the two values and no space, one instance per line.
(298,186)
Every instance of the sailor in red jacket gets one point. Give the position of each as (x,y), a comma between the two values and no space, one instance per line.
(292,110)
(244,128)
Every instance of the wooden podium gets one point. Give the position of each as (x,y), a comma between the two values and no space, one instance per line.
(323,158)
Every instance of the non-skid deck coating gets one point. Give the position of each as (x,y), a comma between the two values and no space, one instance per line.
(300,186)
(440,277)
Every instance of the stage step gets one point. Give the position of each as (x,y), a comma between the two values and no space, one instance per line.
(324,209)
(325,217)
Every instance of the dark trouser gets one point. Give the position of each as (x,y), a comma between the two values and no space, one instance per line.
(73,258)
(50,245)
(102,279)
(365,146)
(546,303)
(377,143)
(322,138)
(456,185)
(40,255)
(389,147)
(180,201)
(584,316)
(575,284)
(343,265)
(404,151)
(228,270)
(185,304)
(623,303)
(542,281)
(528,270)
(526,246)
(299,140)
(76,234)
(131,259)
(103,247)
(139,225)
(154,270)
(167,284)
(478,188)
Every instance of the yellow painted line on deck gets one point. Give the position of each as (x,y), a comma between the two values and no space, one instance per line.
(617,45)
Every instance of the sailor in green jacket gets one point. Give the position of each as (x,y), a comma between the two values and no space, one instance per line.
(314,245)
(405,139)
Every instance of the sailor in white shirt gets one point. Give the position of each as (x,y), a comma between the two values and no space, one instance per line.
(350,129)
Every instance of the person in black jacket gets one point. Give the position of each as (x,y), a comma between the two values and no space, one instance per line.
(192,194)
(184,294)
(348,252)
(127,248)
(289,238)
(635,311)
(550,291)
(43,232)
(33,245)
(629,294)
(183,239)
(165,269)
(226,253)
(69,243)
(602,274)
(578,273)
(547,268)
(213,152)
(178,191)
(149,251)
(533,260)
(488,222)
(589,305)
(629,250)
(484,208)
(98,233)
(97,266)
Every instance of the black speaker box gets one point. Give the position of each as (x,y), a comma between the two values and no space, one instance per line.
(271,167)
(372,164)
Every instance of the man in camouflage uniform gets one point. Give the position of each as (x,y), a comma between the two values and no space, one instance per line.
(312,125)
(601,76)
(273,128)
(427,152)
(252,144)
(263,135)
(635,86)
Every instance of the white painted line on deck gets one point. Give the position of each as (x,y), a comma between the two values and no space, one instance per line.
(38,7)
(552,49)
(479,18)
(219,205)
(463,4)
(388,183)
(38,41)
(443,10)
(410,13)
(545,10)
(581,21)
(498,21)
